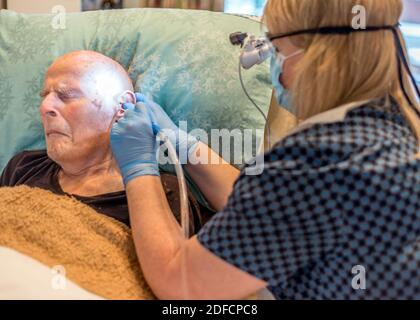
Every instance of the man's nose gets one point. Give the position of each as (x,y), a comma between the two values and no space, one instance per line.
(48,106)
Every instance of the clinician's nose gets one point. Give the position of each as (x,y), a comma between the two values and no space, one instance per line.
(48,107)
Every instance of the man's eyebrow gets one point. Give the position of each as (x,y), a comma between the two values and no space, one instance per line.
(67,90)
(64,90)
(43,93)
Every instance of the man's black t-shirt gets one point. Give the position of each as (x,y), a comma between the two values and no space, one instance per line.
(36,169)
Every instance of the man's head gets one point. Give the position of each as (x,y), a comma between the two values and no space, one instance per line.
(81,102)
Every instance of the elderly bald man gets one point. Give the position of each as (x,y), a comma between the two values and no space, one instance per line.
(80,103)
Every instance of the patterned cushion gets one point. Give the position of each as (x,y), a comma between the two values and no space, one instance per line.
(182,58)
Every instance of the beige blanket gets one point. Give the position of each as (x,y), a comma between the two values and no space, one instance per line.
(96,251)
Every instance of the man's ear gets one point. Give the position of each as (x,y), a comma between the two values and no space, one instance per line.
(127,97)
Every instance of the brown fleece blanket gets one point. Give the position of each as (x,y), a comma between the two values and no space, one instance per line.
(96,251)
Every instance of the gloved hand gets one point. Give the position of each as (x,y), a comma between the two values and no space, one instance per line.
(134,144)
(181,140)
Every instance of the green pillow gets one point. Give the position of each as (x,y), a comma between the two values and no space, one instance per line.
(182,59)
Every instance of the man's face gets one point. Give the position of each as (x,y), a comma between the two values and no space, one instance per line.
(77,111)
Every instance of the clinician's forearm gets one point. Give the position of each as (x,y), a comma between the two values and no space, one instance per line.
(176,268)
(214,176)
(156,233)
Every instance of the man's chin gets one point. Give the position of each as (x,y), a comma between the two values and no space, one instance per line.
(58,154)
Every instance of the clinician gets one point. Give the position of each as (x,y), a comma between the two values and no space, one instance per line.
(336,212)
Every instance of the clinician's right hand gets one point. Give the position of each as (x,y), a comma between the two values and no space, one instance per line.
(134,144)
(179,138)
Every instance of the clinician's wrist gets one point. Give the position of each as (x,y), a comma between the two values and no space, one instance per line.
(141,170)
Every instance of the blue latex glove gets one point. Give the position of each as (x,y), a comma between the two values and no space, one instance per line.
(181,140)
(134,144)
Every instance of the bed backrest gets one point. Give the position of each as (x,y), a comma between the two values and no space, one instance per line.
(181,58)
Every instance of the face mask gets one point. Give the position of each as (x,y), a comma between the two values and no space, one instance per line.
(276,68)
(346,30)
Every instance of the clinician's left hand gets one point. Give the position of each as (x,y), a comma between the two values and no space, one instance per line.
(134,144)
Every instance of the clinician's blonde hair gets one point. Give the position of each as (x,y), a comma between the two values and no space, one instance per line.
(339,69)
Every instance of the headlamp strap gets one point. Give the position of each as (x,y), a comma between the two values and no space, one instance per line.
(346,30)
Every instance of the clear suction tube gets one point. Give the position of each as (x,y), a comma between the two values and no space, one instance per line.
(185,223)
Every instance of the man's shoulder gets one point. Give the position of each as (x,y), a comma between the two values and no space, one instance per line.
(29,156)
(23,163)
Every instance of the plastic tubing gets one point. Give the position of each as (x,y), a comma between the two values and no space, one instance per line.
(185,217)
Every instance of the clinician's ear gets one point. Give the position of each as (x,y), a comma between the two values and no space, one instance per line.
(126,97)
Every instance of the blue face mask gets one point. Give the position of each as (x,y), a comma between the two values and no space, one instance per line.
(281,93)
(276,69)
